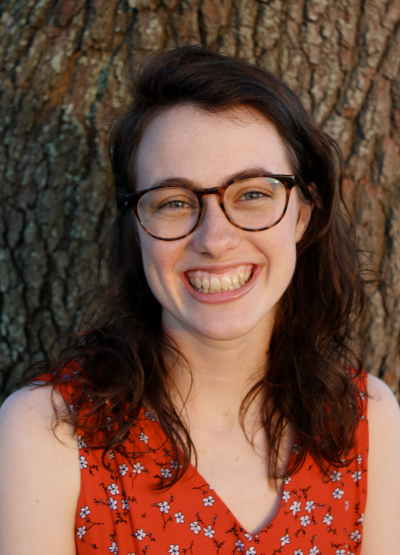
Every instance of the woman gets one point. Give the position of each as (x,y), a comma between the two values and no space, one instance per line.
(214,404)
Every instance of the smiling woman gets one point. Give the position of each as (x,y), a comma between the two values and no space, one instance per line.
(214,403)
(174,146)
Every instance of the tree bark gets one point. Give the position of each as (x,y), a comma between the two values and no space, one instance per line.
(62,76)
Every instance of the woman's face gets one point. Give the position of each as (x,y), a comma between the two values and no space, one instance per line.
(207,150)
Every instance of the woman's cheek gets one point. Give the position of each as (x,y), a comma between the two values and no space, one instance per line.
(158,262)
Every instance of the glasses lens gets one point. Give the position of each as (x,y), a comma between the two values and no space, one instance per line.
(255,203)
(169,213)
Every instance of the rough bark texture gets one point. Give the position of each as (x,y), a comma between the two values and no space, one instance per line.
(62,66)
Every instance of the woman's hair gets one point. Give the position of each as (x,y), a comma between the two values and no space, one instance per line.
(122,351)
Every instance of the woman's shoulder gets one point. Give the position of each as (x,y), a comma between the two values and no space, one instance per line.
(39,474)
(383,407)
(36,405)
(381,533)
(383,427)
(33,406)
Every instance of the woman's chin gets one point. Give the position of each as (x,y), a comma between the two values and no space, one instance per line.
(226,330)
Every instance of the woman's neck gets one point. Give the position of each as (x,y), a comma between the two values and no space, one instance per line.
(220,375)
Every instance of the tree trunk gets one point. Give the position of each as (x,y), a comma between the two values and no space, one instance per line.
(62,73)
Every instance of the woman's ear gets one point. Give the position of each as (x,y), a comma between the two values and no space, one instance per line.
(306,208)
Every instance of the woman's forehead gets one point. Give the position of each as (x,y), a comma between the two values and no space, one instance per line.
(191,143)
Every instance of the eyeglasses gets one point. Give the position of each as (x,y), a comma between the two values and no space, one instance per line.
(171,212)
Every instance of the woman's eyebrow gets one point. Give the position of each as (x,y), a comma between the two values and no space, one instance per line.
(248,172)
(242,174)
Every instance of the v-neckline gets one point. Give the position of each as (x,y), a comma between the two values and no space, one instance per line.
(195,476)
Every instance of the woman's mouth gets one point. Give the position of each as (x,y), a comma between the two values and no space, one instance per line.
(209,282)
(221,286)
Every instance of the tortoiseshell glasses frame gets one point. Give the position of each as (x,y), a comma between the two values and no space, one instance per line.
(288,181)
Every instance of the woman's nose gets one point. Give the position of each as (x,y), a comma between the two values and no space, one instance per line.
(215,234)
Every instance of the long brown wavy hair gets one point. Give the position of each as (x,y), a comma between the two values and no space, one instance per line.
(122,348)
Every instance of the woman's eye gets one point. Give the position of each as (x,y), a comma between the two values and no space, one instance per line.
(254,195)
(174,204)
(251,196)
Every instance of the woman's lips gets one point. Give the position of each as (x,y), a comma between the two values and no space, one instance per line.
(222,296)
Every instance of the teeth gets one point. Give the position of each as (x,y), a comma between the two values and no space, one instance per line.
(214,284)
(226,283)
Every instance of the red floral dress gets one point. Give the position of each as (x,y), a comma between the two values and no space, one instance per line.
(120,513)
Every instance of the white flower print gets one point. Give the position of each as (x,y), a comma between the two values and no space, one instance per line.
(285,540)
(84,511)
(248,536)
(286,496)
(139,534)
(327,519)
(209,532)
(143,437)
(240,545)
(336,476)
(113,548)
(123,469)
(111,456)
(164,507)
(81,532)
(338,493)
(340,552)
(179,517)
(361,519)
(251,551)
(287,480)
(81,443)
(305,520)
(113,489)
(137,468)
(295,508)
(208,501)
(194,526)
(125,504)
(112,503)
(166,473)
(314,550)
(173,464)
(356,475)
(359,459)
(173,549)
(82,462)
(149,416)
(71,408)
(298,552)
(347,505)
(310,506)
(355,536)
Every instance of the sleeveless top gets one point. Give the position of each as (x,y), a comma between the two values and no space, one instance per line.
(121,513)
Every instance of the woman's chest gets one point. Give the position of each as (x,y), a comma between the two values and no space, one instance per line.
(238,472)
(124,509)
